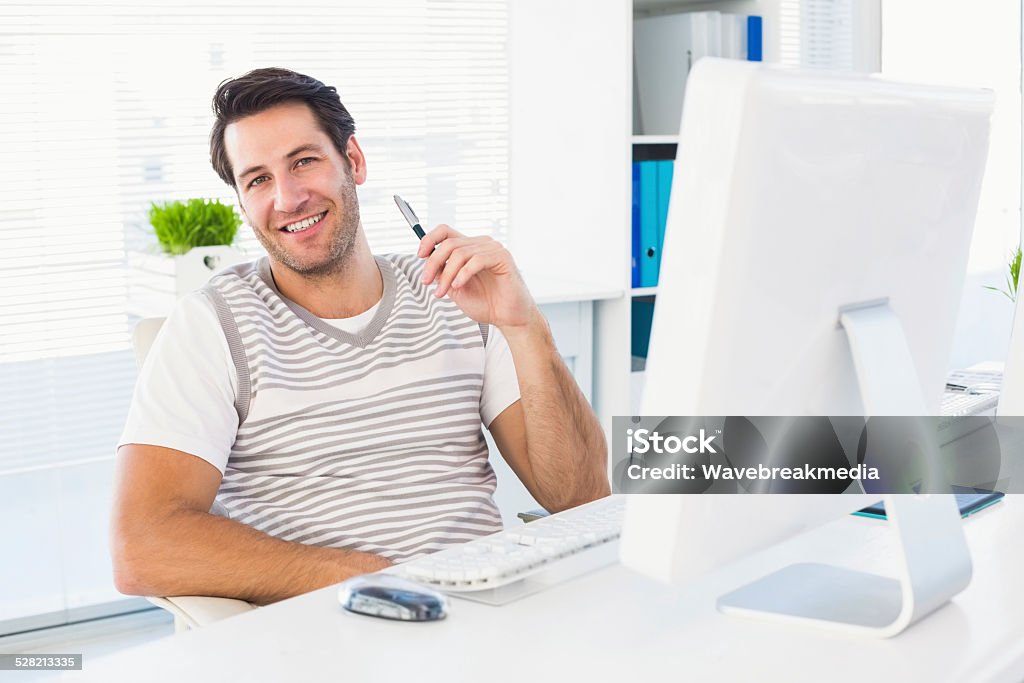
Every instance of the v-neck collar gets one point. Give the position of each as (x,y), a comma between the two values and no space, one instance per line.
(365,336)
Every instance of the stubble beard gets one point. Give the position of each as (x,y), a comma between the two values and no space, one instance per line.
(340,248)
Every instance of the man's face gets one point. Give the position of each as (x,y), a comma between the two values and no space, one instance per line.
(295,189)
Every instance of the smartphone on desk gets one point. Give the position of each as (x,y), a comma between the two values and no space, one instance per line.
(968,500)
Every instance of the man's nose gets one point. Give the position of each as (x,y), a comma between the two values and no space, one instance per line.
(290,196)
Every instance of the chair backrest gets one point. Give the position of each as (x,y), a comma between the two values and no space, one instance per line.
(143,335)
(189,611)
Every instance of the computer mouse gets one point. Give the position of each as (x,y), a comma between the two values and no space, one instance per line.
(391,597)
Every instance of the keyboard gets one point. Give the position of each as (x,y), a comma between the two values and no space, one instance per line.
(960,404)
(968,393)
(975,381)
(514,554)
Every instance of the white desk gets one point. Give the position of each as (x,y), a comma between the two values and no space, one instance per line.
(613,625)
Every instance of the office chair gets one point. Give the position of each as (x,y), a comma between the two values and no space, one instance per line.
(190,611)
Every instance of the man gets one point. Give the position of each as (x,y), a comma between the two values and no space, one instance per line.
(316,414)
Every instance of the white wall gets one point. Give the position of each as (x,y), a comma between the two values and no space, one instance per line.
(947,42)
(569,157)
(570,108)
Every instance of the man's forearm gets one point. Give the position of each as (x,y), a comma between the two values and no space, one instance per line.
(565,443)
(196,553)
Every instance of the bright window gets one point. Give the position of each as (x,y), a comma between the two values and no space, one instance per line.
(106,107)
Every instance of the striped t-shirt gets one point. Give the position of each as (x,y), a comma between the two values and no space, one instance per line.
(370,441)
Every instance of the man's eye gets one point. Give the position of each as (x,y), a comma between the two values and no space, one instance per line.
(302,161)
(258,180)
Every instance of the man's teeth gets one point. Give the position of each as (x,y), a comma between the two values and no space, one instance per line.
(304,225)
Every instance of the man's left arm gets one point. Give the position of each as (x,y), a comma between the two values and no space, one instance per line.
(551,437)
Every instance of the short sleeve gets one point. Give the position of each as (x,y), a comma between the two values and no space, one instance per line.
(501,385)
(185,395)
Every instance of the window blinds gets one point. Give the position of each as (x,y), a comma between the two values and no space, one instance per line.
(106,107)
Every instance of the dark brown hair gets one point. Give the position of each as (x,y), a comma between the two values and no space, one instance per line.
(262,89)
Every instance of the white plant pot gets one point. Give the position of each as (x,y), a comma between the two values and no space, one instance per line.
(158,280)
(194,269)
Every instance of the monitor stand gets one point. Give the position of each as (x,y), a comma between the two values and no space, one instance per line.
(935,563)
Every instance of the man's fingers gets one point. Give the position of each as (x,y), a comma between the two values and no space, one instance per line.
(466,261)
(435,237)
(456,262)
(490,256)
(473,265)
(442,253)
(447,254)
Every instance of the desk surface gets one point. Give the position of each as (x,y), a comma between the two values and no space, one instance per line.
(548,289)
(615,625)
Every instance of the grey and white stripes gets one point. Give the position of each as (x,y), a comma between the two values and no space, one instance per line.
(370,441)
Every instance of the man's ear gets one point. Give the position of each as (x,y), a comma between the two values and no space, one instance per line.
(356,160)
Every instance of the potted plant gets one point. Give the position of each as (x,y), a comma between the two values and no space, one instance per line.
(1012,277)
(195,238)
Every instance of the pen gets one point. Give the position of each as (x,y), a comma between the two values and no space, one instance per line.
(410,216)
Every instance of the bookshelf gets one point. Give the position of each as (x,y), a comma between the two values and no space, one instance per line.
(654,139)
(662,24)
(572,144)
(805,33)
(571,149)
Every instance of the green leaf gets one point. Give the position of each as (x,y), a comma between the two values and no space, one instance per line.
(180,226)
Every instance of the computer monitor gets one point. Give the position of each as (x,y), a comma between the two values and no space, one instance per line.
(814,255)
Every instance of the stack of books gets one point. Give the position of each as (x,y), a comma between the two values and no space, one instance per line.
(665,48)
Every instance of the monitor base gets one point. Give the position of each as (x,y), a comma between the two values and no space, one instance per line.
(819,594)
(935,562)
(935,565)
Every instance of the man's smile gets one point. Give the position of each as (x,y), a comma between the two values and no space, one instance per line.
(305,223)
